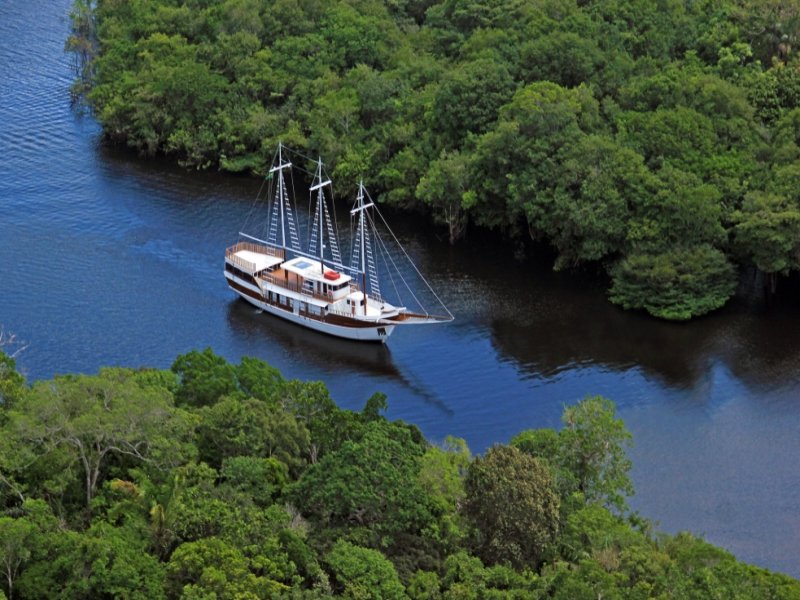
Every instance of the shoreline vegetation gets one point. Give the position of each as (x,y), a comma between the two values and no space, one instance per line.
(226,481)
(657,142)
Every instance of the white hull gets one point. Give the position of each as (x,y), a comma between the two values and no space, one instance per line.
(368,333)
(314,288)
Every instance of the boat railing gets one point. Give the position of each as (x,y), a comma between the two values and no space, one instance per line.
(350,314)
(370,296)
(230,254)
(243,264)
(258,248)
(294,287)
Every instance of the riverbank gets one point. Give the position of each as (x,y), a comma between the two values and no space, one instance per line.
(648,161)
(113,260)
(223,478)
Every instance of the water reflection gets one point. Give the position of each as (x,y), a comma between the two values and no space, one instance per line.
(760,351)
(320,352)
(326,352)
(115,260)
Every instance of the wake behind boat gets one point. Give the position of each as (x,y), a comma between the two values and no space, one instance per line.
(312,287)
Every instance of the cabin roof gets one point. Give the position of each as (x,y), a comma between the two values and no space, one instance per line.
(260,261)
(311,269)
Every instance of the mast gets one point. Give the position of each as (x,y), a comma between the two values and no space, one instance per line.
(363,242)
(281,199)
(320,200)
(322,222)
(361,208)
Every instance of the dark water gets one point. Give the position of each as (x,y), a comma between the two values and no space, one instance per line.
(106,259)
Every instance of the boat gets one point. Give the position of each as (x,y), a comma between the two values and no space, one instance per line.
(311,286)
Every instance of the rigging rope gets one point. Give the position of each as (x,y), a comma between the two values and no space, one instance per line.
(425,281)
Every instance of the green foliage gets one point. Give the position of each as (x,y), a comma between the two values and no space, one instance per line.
(15,548)
(259,380)
(599,185)
(511,501)
(110,563)
(468,99)
(212,568)
(367,483)
(88,420)
(424,585)
(441,475)
(767,231)
(204,378)
(376,512)
(594,127)
(675,285)
(261,479)
(363,573)
(444,188)
(12,384)
(234,427)
(592,447)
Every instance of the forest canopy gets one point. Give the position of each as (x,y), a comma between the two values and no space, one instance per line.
(657,141)
(227,481)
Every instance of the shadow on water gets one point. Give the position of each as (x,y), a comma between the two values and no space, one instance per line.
(544,322)
(122,264)
(760,350)
(327,352)
(324,352)
(547,322)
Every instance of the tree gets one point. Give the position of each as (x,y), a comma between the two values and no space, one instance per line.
(259,380)
(513,163)
(212,568)
(311,404)
(679,136)
(95,418)
(468,100)
(441,474)
(363,573)
(261,479)
(464,577)
(565,58)
(103,562)
(444,188)
(12,384)
(15,551)
(235,427)
(424,585)
(592,447)
(10,344)
(34,540)
(512,503)
(767,232)
(674,284)
(204,377)
(541,443)
(368,483)
(599,184)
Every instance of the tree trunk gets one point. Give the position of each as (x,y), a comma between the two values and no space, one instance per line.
(10,579)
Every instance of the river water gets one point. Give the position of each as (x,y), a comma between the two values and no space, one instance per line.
(107,259)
